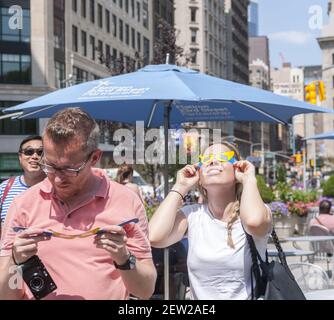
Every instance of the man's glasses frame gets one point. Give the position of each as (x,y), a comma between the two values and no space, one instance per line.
(69,172)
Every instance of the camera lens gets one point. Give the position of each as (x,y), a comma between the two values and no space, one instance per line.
(36,283)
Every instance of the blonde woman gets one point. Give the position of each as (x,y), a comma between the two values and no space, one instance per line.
(219,260)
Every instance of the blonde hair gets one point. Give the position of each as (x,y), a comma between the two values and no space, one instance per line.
(235,208)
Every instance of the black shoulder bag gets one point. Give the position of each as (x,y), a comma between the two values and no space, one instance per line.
(274,280)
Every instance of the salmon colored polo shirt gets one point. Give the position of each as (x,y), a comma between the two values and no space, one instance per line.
(79,269)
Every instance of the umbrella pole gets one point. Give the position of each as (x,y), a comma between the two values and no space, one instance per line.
(166,190)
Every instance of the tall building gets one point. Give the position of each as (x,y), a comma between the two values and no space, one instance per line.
(237,40)
(200,31)
(326,43)
(259,77)
(62,43)
(289,82)
(236,17)
(253,18)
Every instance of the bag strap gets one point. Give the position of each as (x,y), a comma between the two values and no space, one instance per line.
(5,193)
(255,269)
(280,251)
(256,257)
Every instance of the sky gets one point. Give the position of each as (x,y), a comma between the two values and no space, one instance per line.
(292,27)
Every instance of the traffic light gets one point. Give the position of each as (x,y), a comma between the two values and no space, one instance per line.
(312,163)
(311,93)
(322,91)
(298,157)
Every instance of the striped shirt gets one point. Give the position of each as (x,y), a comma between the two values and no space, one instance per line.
(17,187)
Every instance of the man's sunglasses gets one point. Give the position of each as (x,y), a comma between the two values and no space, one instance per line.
(32,151)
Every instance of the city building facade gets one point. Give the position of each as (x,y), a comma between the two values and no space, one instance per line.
(215,34)
(62,43)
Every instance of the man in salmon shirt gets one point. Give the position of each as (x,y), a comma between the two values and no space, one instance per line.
(74,200)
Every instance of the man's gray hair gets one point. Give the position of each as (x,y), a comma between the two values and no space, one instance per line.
(70,125)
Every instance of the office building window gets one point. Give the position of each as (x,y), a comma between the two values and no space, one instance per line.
(59,5)
(108,21)
(145,15)
(193,14)
(15,68)
(127,6)
(127,34)
(114,57)
(92,46)
(146,48)
(84,43)
(92,11)
(133,38)
(74,38)
(100,50)
(60,74)
(11,34)
(133,11)
(138,42)
(114,25)
(120,2)
(108,55)
(83,8)
(193,55)
(100,16)
(120,29)
(333,59)
(193,35)
(22,127)
(59,33)
(80,75)
(138,11)
(75,5)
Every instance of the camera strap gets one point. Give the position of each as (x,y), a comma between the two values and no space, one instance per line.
(4,195)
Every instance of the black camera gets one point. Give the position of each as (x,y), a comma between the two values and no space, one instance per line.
(37,278)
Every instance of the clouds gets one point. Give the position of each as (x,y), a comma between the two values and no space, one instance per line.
(292,37)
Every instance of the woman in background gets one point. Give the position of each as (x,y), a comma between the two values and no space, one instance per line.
(124,176)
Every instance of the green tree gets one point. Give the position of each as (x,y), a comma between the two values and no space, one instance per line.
(328,187)
(281,173)
(265,191)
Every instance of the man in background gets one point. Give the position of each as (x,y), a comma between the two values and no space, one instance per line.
(30,152)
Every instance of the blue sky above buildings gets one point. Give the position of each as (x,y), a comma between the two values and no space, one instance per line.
(292,27)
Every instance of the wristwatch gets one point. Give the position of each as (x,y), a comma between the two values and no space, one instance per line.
(128,265)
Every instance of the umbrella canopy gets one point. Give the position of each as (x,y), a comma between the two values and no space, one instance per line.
(322,136)
(192,96)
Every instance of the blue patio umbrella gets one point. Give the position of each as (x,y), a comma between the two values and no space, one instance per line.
(322,136)
(189,95)
(168,94)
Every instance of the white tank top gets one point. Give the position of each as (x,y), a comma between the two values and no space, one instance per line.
(216,271)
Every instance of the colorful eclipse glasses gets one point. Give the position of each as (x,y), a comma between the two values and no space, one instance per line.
(51,233)
(221,157)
